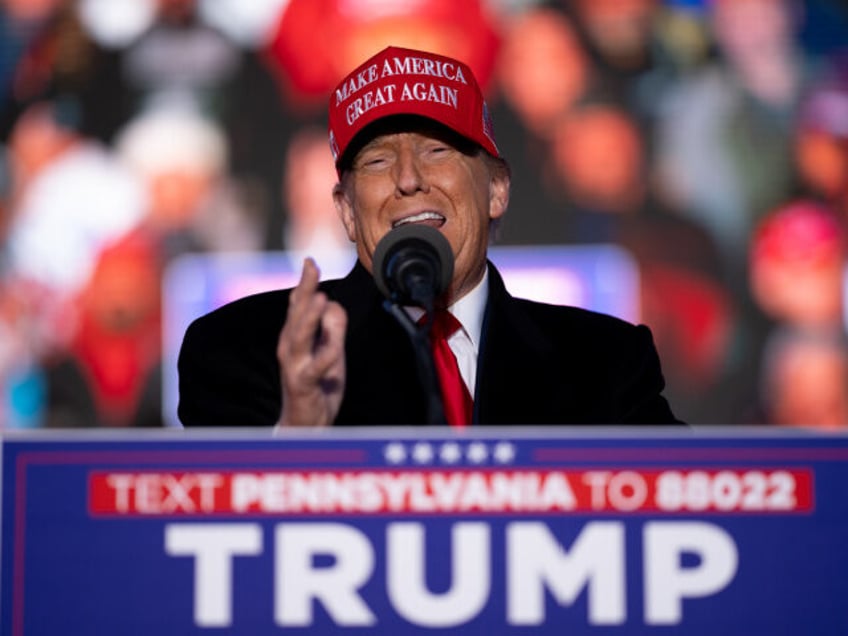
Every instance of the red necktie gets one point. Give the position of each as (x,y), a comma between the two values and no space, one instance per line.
(457,400)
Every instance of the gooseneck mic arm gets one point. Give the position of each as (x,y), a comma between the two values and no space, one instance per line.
(413,265)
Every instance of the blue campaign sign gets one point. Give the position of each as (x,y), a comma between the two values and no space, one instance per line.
(543,531)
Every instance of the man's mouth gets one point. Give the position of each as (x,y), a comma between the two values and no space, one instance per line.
(429,218)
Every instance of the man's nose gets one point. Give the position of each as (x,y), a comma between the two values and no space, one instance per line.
(409,178)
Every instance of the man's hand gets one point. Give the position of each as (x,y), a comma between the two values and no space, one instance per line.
(311,354)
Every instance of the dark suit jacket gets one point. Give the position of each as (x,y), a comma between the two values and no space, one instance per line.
(538,364)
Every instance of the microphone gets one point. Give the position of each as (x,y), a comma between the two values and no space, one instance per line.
(413,264)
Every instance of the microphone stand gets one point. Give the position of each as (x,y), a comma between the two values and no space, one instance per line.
(412,265)
(418,335)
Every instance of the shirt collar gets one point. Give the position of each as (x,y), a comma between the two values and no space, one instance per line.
(470,308)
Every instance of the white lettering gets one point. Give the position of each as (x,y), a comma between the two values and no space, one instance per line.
(299,582)
(356,83)
(406,576)
(667,583)
(122,485)
(536,561)
(165,493)
(423,66)
(369,100)
(373,492)
(557,493)
(627,491)
(597,482)
(213,547)
(422,92)
(332,563)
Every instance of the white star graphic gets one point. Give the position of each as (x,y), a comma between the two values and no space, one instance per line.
(395,453)
(422,453)
(450,453)
(504,452)
(477,453)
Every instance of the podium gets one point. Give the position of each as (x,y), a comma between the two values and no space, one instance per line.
(424,531)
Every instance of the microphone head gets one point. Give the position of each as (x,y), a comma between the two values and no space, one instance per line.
(412,247)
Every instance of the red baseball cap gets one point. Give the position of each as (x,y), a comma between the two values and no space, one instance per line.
(799,231)
(399,81)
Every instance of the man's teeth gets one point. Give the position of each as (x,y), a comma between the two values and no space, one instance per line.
(418,218)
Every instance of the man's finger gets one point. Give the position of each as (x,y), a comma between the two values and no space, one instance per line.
(306,304)
(330,347)
(310,275)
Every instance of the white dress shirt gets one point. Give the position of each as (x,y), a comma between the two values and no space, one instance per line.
(465,343)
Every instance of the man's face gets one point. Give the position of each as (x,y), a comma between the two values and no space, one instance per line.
(424,176)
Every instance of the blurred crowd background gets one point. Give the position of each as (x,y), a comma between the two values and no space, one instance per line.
(709,138)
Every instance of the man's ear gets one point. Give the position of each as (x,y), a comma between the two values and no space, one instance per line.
(344,208)
(498,194)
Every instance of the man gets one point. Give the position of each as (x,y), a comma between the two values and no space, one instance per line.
(413,143)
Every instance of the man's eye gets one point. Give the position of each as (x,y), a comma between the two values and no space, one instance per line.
(438,150)
(373,161)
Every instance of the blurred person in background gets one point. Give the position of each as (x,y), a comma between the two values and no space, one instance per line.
(821,140)
(799,255)
(724,152)
(598,156)
(81,79)
(20,22)
(631,49)
(315,42)
(115,60)
(29,53)
(542,68)
(798,260)
(22,383)
(312,226)
(189,57)
(618,33)
(194,205)
(542,71)
(69,196)
(109,374)
(42,132)
(598,153)
(804,379)
(724,139)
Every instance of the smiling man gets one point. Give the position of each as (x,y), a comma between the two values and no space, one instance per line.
(413,144)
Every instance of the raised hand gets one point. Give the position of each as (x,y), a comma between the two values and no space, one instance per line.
(311,354)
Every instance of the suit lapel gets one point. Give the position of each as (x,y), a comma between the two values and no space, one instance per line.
(516,364)
(382,382)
